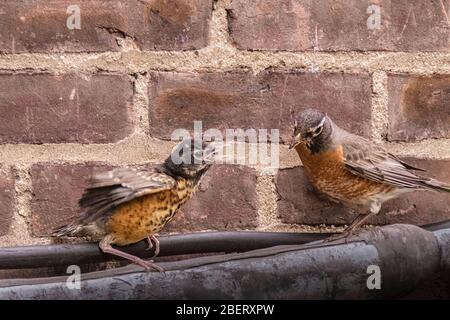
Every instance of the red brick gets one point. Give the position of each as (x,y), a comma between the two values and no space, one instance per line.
(7,198)
(226,200)
(56,190)
(300,203)
(43,108)
(338,25)
(41,25)
(422,207)
(418,107)
(266,101)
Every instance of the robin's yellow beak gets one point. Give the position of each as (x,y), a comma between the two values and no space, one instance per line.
(297,139)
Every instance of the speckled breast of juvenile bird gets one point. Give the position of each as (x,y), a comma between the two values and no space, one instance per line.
(126,205)
(140,217)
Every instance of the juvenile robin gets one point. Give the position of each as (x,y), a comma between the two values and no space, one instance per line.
(350,169)
(125,205)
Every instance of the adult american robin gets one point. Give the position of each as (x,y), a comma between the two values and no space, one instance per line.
(125,205)
(350,169)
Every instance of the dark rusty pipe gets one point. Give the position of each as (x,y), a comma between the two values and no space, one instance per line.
(406,256)
(190,243)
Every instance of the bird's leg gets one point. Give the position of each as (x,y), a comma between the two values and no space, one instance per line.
(105,246)
(150,243)
(375,207)
(358,222)
(153,238)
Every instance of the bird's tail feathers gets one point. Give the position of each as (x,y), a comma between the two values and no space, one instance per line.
(66,231)
(438,185)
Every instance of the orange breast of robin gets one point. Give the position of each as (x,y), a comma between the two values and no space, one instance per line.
(327,172)
(135,220)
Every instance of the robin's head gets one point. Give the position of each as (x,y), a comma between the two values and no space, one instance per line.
(191,159)
(313,128)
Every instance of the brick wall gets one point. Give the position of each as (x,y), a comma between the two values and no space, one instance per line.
(110,93)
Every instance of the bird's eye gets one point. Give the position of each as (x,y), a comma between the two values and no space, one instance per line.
(198,154)
(318,130)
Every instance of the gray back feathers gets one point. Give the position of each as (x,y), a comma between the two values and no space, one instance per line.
(373,162)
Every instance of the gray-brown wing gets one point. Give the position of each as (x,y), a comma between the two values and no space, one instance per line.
(375,163)
(113,188)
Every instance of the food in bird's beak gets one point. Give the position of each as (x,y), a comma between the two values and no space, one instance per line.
(295,141)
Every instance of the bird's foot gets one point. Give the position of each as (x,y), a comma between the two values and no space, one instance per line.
(148,265)
(106,247)
(151,239)
(150,243)
(339,236)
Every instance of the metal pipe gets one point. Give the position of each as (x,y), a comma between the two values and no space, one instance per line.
(405,254)
(190,243)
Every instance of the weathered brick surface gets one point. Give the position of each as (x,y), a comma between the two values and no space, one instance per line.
(300,203)
(41,26)
(266,101)
(330,25)
(421,207)
(42,108)
(226,200)
(7,199)
(418,107)
(56,190)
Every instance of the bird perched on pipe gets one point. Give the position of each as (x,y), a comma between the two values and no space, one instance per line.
(125,205)
(351,170)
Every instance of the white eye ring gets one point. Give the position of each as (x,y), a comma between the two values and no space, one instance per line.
(317,131)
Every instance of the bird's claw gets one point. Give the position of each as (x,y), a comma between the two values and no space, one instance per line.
(149,265)
(152,239)
(150,244)
(339,236)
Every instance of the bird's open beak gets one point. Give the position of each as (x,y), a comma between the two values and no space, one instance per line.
(217,153)
(214,152)
(295,141)
(210,155)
